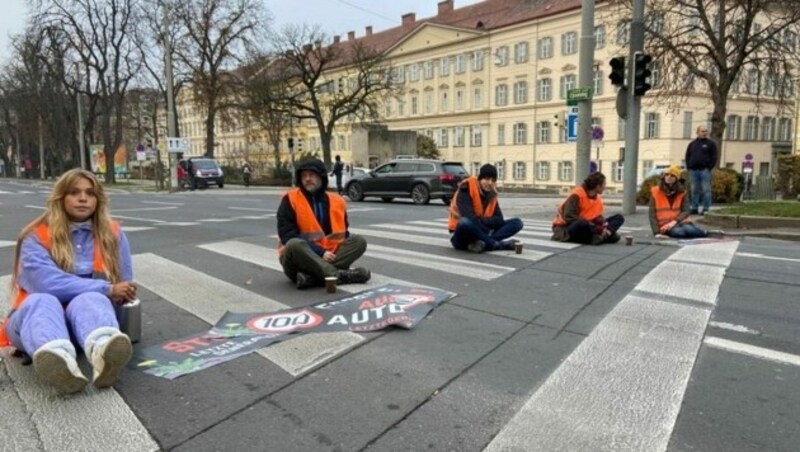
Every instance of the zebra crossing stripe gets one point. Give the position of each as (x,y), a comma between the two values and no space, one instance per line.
(527,231)
(5,243)
(268,258)
(445,264)
(136,228)
(209,298)
(98,420)
(649,344)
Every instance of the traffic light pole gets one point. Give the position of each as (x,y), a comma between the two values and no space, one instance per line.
(585,79)
(634,114)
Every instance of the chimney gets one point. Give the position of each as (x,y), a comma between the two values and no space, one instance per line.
(369,30)
(351,35)
(409,19)
(336,39)
(445,7)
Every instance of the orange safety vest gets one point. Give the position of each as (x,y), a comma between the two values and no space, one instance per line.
(309,227)
(588,208)
(477,204)
(664,211)
(42,232)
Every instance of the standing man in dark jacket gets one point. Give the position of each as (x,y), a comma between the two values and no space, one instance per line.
(701,158)
(476,220)
(338,167)
(312,228)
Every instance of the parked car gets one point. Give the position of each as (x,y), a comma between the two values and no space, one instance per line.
(206,171)
(418,179)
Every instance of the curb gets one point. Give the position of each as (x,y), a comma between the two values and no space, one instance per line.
(750,222)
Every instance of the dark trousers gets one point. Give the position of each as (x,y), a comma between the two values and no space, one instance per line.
(468,231)
(246,177)
(299,257)
(339,183)
(581,231)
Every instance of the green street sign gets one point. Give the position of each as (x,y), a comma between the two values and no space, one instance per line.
(578,94)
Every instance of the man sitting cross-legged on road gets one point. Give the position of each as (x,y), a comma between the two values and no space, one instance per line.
(312,228)
(579,219)
(476,220)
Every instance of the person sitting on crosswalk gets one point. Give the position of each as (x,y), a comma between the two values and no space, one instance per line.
(72,263)
(579,219)
(670,209)
(476,221)
(313,231)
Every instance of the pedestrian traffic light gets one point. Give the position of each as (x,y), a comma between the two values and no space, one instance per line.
(641,73)
(617,75)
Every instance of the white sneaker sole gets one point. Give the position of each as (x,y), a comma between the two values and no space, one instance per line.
(117,352)
(54,369)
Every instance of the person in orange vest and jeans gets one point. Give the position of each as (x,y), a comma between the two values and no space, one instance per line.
(670,208)
(313,231)
(72,264)
(476,220)
(579,219)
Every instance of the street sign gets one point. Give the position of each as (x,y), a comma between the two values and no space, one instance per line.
(578,94)
(597,133)
(748,157)
(178,144)
(140,155)
(572,124)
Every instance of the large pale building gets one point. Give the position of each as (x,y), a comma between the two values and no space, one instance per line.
(488,82)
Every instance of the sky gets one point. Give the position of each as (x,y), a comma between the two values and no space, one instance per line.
(336,17)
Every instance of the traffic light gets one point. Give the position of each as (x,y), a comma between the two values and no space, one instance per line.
(617,75)
(640,73)
(291,143)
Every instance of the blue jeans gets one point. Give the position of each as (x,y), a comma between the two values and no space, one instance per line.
(701,179)
(686,231)
(468,231)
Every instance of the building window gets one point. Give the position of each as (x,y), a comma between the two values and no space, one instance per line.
(461,63)
(752,81)
(413,73)
(651,125)
(734,125)
(768,129)
(501,95)
(459,99)
(751,128)
(414,109)
(342,145)
(477,97)
(401,107)
(784,129)
(569,43)
(444,66)
(543,132)
(542,170)
(478,58)
(501,56)
(476,134)
(501,134)
(623,32)
(597,83)
(545,48)
(444,103)
(567,83)
(458,138)
(428,69)
(521,92)
(599,36)
(545,89)
(519,170)
(501,169)
(521,52)
(687,124)
(444,134)
(565,171)
(476,168)
(520,133)
(647,165)
(428,101)
(617,171)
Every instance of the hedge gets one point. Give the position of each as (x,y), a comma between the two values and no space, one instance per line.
(726,186)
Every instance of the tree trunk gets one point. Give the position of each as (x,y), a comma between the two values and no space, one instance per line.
(718,127)
(210,118)
(325,138)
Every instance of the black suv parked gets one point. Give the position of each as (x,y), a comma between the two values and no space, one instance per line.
(417,179)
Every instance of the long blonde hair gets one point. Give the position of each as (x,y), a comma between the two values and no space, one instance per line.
(55,217)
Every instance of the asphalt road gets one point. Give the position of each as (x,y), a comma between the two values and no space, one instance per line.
(646,347)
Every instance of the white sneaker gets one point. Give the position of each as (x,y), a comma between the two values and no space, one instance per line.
(109,358)
(57,367)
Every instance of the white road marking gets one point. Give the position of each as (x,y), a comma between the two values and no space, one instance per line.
(136,228)
(163,203)
(752,350)
(105,422)
(762,256)
(252,209)
(5,243)
(36,207)
(218,220)
(461,267)
(147,220)
(733,327)
(180,223)
(622,387)
(142,209)
(209,299)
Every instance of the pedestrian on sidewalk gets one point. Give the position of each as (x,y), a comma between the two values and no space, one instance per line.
(338,167)
(72,264)
(476,221)
(579,219)
(246,171)
(313,231)
(669,208)
(701,158)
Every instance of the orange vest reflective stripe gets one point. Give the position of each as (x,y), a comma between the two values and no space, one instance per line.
(309,227)
(588,208)
(477,204)
(664,211)
(42,232)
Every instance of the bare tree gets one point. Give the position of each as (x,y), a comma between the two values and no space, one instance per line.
(332,82)
(721,47)
(100,36)
(214,38)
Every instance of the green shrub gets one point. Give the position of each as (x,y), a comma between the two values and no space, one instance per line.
(788,177)
(726,186)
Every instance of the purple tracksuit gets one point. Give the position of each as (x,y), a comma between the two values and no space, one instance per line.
(61,305)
